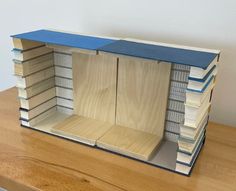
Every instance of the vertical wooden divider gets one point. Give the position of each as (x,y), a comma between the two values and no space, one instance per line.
(142,91)
(119,104)
(142,94)
(95,86)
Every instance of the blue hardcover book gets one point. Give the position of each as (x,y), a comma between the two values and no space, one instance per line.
(194,58)
(65,39)
(161,53)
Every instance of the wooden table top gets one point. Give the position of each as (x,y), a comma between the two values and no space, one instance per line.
(31,160)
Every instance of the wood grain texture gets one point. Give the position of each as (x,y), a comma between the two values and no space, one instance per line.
(85,130)
(47,124)
(45,162)
(142,94)
(131,142)
(10,185)
(94,82)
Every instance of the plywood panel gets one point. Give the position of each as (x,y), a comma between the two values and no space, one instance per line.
(83,129)
(142,94)
(94,82)
(131,142)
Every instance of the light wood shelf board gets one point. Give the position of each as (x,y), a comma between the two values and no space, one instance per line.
(131,142)
(142,94)
(94,84)
(47,124)
(82,129)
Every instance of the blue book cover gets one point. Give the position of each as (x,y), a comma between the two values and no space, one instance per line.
(65,39)
(161,53)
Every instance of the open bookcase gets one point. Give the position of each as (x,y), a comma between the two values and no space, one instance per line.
(145,100)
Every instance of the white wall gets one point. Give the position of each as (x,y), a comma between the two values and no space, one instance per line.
(27,15)
(202,23)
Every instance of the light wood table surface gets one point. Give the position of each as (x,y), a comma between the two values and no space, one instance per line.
(31,160)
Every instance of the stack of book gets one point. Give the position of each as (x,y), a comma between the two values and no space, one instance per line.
(34,70)
(196,106)
(175,110)
(63,81)
(44,81)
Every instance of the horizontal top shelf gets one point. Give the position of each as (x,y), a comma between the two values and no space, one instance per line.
(65,39)
(196,58)
(161,53)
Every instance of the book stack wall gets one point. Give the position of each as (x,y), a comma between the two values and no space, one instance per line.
(44,81)
(188,110)
(64,81)
(196,111)
(177,95)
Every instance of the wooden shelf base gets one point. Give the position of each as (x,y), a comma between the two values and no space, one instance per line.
(130,142)
(127,141)
(47,124)
(85,130)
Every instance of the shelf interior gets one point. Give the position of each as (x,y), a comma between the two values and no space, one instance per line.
(123,111)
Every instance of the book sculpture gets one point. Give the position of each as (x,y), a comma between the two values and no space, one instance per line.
(148,101)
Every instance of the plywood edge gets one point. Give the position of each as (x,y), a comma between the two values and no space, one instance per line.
(111,148)
(74,137)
